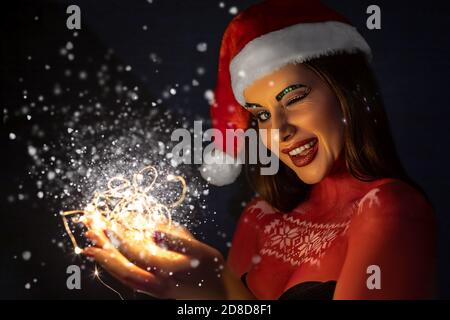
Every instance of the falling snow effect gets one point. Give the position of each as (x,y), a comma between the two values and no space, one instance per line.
(202,47)
(26,255)
(82,116)
(129,207)
(233,10)
(99,125)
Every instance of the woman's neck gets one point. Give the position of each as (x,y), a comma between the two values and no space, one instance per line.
(337,188)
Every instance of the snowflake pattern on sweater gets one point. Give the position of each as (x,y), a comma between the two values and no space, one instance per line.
(287,231)
(311,240)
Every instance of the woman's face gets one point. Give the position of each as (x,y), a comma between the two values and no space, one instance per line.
(306,111)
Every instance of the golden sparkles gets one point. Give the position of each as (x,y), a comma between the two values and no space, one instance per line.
(127,206)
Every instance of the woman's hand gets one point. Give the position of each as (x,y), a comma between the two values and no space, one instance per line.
(173,266)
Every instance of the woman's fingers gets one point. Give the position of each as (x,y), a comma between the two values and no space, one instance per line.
(98,238)
(132,250)
(176,229)
(148,255)
(94,222)
(96,235)
(190,247)
(172,251)
(182,245)
(112,261)
(123,270)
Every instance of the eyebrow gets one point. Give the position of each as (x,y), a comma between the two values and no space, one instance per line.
(253,105)
(278,97)
(288,89)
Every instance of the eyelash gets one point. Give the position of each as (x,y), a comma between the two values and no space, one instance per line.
(290,102)
(296,98)
(258,115)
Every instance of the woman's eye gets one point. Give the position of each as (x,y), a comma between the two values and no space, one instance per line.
(263,116)
(293,100)
(297,98)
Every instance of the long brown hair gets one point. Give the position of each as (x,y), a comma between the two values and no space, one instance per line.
(369,149)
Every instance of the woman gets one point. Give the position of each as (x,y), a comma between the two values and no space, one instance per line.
(340,219)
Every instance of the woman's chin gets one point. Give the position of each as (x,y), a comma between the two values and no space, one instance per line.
(310,177)
(313,173)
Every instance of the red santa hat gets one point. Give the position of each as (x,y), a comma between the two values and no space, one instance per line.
(261,40)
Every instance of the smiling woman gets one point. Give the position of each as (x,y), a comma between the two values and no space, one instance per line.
(343,110)
(306,111)
(341,204)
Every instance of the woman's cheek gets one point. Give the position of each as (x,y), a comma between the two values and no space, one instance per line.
(329,128)
(270,139)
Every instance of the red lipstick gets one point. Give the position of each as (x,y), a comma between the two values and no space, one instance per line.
(302,152)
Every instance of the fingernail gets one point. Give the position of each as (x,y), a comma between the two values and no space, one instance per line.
(158,236)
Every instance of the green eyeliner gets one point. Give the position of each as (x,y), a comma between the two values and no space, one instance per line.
(252,105)
(287,90)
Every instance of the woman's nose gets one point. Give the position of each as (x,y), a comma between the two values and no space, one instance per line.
(286,129)
(287,132)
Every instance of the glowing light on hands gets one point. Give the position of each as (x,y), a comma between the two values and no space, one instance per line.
(127,206)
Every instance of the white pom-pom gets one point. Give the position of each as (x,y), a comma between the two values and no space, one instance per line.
(219,168)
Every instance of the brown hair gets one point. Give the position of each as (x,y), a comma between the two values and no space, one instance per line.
(369,149)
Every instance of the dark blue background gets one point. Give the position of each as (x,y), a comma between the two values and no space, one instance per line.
(411,60)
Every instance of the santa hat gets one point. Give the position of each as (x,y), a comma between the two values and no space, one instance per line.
(261,40)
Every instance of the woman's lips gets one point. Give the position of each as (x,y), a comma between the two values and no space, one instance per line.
(303,152)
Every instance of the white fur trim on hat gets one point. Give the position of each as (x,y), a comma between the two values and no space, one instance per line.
(219,168)
(293,44)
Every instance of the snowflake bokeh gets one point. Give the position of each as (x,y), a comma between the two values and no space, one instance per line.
(101,127)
